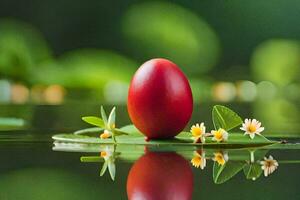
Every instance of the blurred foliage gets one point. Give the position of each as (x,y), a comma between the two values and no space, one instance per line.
(22,49)
(279,116)
(161,29)
(86,68)
(179,31)
(277,60)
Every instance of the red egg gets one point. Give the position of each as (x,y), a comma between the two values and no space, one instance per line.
(160,101)
(160,176)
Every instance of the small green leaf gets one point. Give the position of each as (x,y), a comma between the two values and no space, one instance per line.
(91,158)
(112,169)
(225,118)
(252,171)
(89,130)
(118,132)
(96,121)
(112,117)
(104,167)
(222,173)
(103,115)
(131,130)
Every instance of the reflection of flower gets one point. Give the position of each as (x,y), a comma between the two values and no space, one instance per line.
(107,153)
(109,157)
(199,160)
(269,165)
(220,135)
(252,127)
(220,158)
(198,133)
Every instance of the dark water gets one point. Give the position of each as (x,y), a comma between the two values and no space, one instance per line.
(31,170)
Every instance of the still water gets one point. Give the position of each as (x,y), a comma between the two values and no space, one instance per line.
(34,168)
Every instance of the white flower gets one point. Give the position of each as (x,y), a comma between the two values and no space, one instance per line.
(198,133)
(220,135)
(269,165)
(107,153)
(252,127)
(199,160)
(220,158)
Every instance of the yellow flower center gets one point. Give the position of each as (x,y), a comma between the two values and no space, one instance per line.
(218,135)
(219,158)
(196,131)
(196,161)
(104,135)
(103,154)
(252,128)
(269,163)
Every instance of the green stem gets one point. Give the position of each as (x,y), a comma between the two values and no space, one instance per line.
(252,156)
(114,139)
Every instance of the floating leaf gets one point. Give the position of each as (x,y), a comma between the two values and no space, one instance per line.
(222,173)
(284,146)
(96,121)
(225,118)
(89,130)
(252,171)
(234,140)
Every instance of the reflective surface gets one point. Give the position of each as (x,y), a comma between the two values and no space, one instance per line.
(32,167)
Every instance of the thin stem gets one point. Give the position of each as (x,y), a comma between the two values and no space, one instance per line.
(114,138)
(252,156)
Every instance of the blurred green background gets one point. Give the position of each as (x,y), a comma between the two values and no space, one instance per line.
(56,51)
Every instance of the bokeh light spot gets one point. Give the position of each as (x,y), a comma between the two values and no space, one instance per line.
(277,60)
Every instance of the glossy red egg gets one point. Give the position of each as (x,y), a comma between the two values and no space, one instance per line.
(160,176)
(160,101)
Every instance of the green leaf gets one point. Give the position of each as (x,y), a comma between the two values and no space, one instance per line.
(91,158)
(222,173)
(103,115)
(225,118)
(252,171)
(104,167)
(112,117)
(96,121)
(234,141)
(119,132)
(285,146)
(112,169)
(131,130)
(89,130)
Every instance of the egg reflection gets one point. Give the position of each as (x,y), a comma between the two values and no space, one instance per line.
(160,176)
